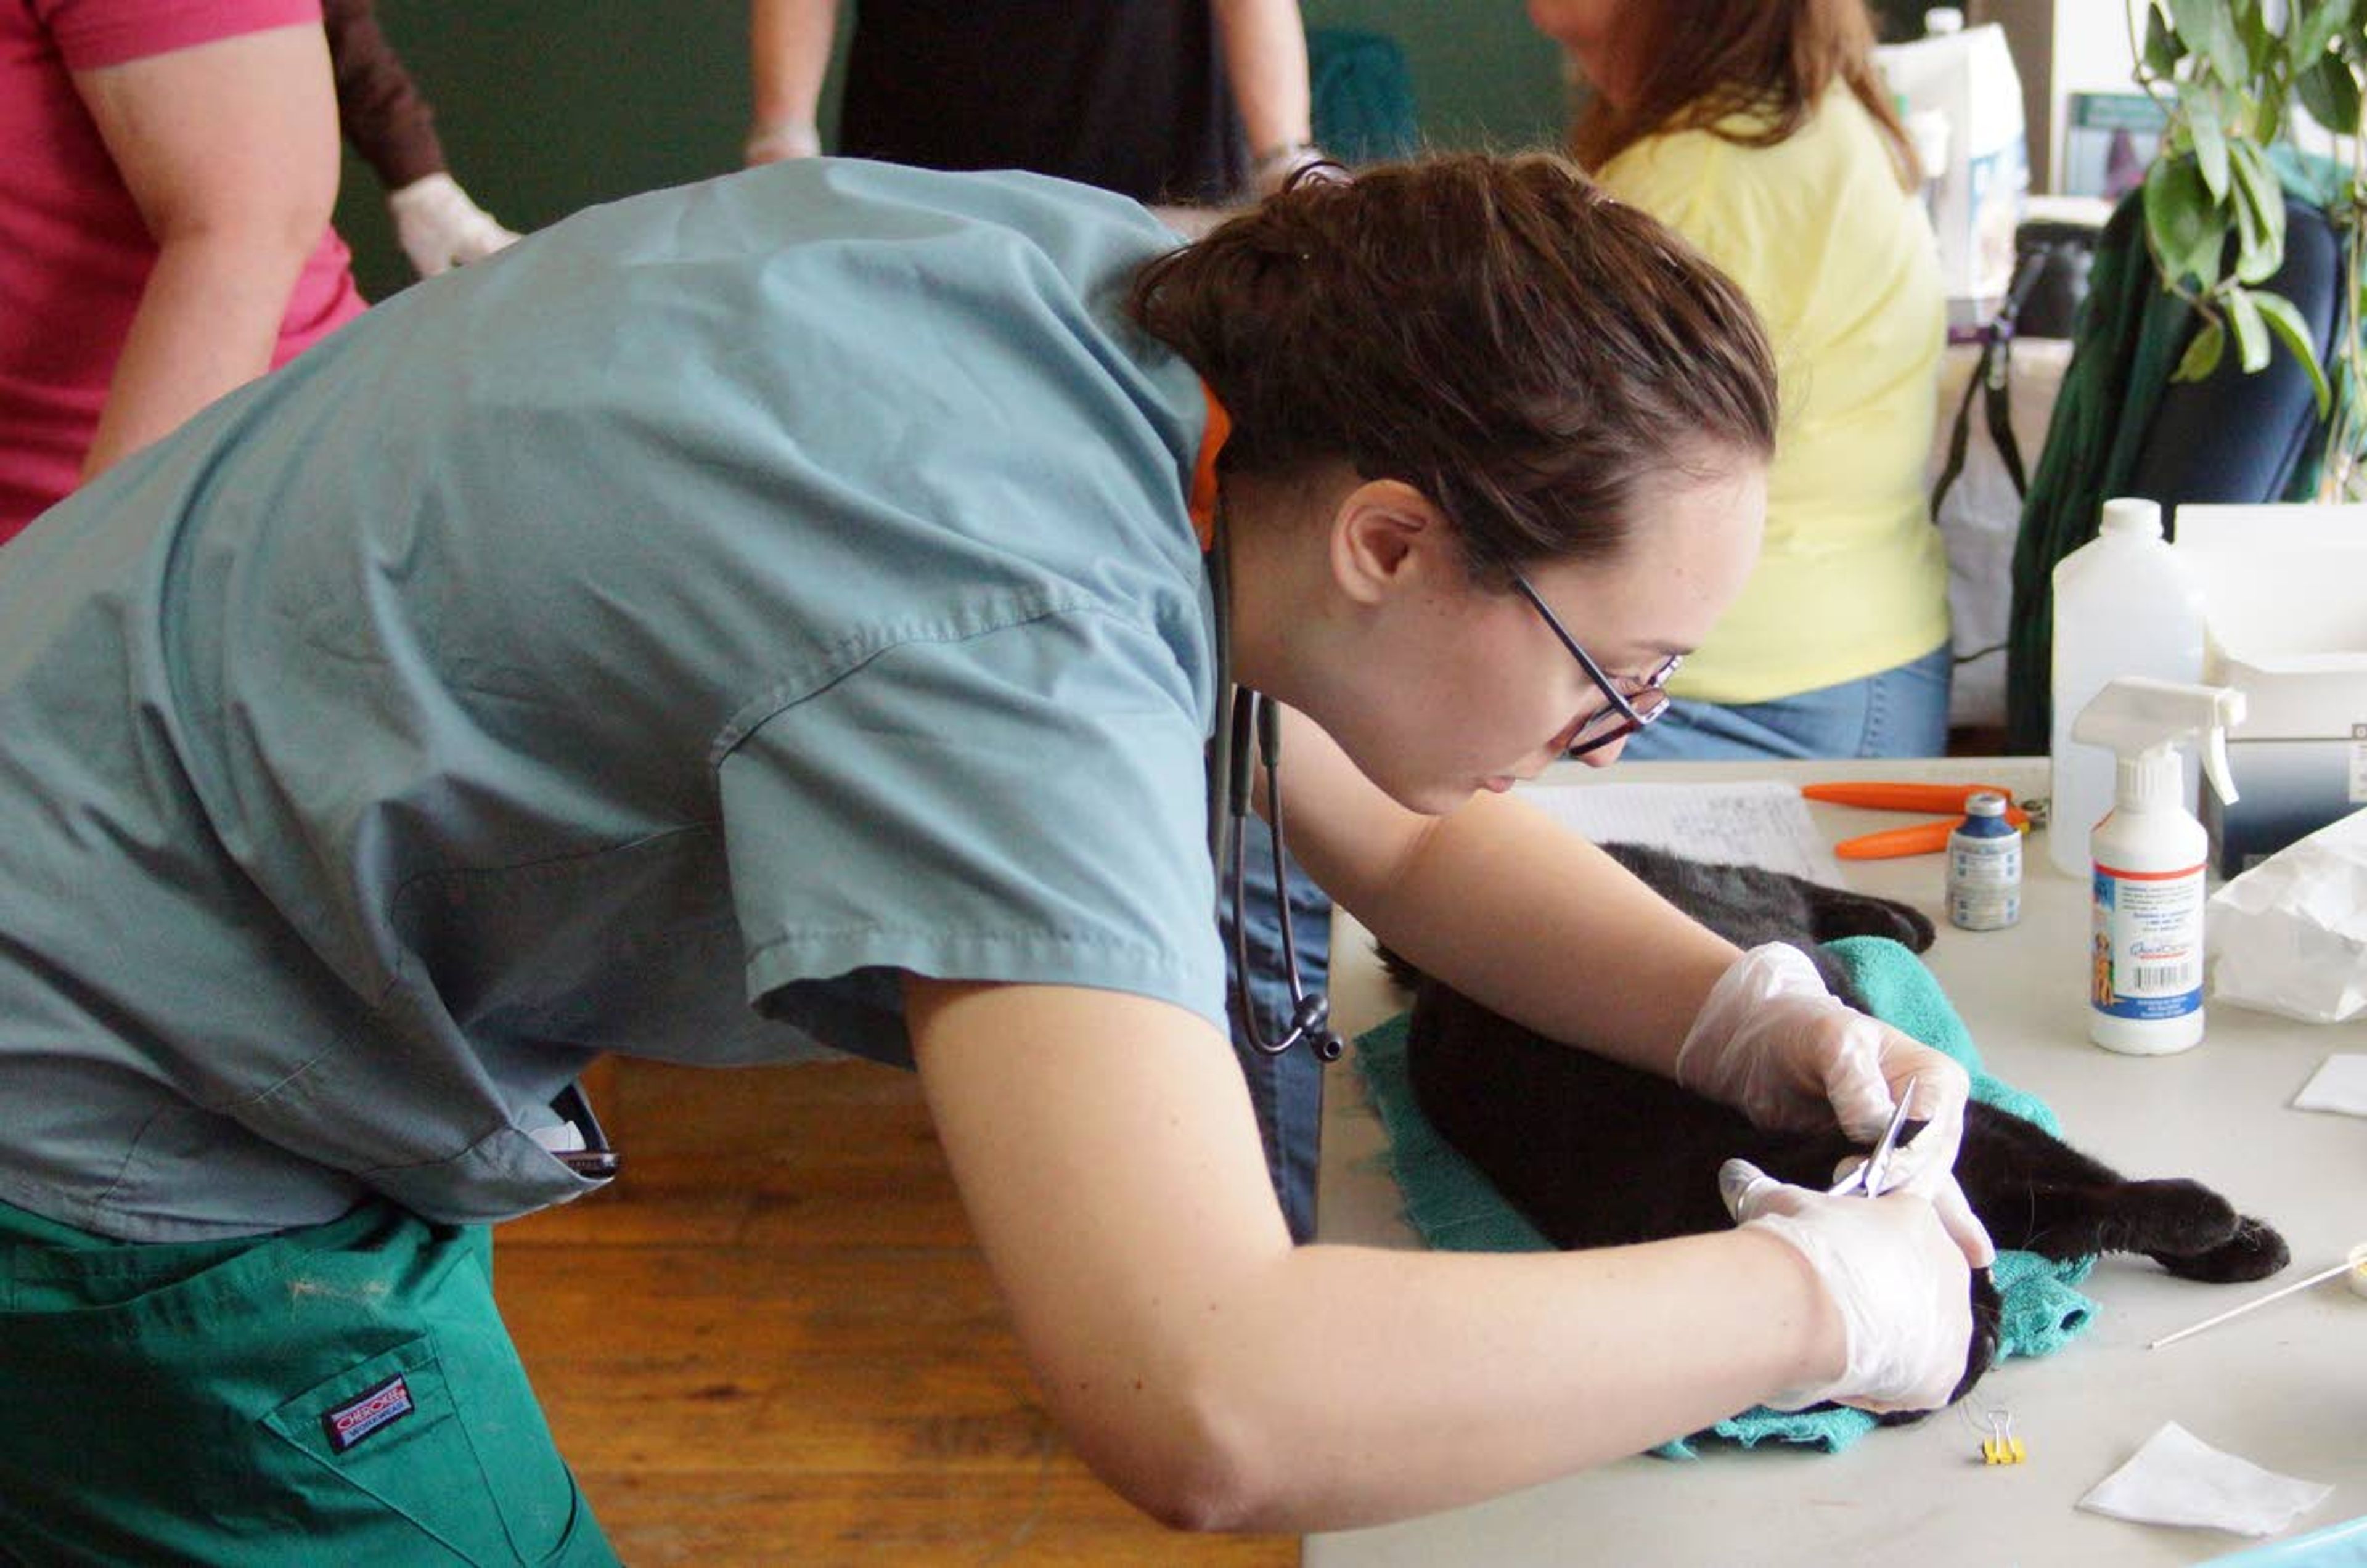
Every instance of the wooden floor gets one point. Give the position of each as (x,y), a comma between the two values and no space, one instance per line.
(773,1341)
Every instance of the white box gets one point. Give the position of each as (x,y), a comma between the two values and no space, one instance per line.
(2285,622)
(1969,78)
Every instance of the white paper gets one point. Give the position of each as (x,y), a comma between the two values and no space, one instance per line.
(2340,1084)
(1755,822)
(2178,1479)
(2290,935)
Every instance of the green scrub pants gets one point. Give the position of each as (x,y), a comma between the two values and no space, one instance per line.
(341,1394)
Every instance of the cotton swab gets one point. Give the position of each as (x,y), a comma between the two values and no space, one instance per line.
(2357,1260)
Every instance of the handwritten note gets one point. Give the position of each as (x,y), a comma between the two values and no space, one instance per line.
(1754,823)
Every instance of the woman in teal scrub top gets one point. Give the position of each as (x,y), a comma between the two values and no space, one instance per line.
(772,614)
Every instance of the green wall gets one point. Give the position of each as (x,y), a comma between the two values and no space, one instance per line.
(1482,76)
(544,108)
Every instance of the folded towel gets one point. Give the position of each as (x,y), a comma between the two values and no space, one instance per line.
(1454,1208)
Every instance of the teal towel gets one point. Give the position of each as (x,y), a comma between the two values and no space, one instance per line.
(1455,1209)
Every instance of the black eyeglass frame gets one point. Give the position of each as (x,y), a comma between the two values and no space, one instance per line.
(1628,718)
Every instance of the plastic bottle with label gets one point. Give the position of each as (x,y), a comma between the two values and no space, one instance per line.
(2145,953)
(1984,867)
(2124,604)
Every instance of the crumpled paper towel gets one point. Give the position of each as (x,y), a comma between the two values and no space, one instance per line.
(2178,1479)
(2290,935)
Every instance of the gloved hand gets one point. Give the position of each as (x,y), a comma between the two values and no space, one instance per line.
(440,228)
(1774,1043)
(1898,1280)
(772,144)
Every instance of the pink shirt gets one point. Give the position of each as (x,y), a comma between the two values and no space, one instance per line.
(74,253)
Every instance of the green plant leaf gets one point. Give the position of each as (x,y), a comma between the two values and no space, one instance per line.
(2286,321)
(2253,32)
(2209,29)
(2313,26)
(2210,142)
(2259,213)
(2251,332)
(2163,47)
(2201,355)
(2188,227)
(2269,109)
(2330,93)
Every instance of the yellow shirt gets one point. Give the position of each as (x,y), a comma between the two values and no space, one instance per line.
(1840,263)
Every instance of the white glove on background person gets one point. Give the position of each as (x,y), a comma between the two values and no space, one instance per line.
(1774,1043)
(1895,1276)
(439,228)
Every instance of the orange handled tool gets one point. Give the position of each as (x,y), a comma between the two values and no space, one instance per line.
(1923,838)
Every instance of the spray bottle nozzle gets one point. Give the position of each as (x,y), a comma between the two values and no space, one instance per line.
(2143,721)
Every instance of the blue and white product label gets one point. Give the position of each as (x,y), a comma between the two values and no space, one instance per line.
(2147,954)
(1984,877)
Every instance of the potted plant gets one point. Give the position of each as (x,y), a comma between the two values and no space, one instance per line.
(2230,76)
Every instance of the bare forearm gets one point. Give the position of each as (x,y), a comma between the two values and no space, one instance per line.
(1363,1385)
(1265,58)
(1529,918)
(1222,1379)
(789,51)
(208,321)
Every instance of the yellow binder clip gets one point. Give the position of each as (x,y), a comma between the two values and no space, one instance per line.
(2002,1446)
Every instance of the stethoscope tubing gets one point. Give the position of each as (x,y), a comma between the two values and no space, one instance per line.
(1251,734)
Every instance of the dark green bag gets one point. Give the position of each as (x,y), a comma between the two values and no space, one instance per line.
(2121,428)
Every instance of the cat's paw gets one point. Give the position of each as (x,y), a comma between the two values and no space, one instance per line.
(2254,1252)
(2166,1220)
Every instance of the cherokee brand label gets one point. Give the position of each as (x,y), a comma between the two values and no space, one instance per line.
(382,1406)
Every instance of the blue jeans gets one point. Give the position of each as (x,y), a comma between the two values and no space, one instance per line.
(1286,1091)
(1900,712)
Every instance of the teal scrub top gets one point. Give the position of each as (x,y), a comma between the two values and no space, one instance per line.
(651,640)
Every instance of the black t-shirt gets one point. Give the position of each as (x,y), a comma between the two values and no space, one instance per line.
(1127,95)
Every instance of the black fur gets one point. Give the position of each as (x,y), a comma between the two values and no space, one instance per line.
(1600,1154)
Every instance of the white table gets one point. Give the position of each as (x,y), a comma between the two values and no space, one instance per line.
(2284,1387)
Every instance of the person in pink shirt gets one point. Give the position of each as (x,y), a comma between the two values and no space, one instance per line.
(164,221)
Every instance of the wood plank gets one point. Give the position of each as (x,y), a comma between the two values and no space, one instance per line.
(774,1340)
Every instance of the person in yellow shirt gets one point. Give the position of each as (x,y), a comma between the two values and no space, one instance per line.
(1759,130)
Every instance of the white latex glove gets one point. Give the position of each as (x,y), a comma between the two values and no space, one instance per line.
(1772,1042)
(440,228)
(772,144)
(1892,1271)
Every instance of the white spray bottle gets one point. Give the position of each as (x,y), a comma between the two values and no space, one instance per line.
(2146,961)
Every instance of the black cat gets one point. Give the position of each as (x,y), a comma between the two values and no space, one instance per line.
(1600,1154)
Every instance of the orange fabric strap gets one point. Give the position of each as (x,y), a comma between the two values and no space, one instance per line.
(1203,499)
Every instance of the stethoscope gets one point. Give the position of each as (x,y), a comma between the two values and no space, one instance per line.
(1231,757)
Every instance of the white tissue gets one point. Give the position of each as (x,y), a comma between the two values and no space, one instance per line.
(2290,935)
(2176,1478)
(2340,1084)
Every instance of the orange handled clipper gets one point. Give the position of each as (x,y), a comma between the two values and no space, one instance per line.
(1923,838)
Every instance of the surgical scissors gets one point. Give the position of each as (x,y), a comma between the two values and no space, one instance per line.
(1875,1174)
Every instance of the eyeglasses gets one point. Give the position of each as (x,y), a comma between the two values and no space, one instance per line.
(1625,712)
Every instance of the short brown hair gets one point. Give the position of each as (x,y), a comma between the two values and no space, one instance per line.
(1496,332)
(1713,62)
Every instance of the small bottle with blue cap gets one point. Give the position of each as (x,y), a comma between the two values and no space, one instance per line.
(1984,866)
